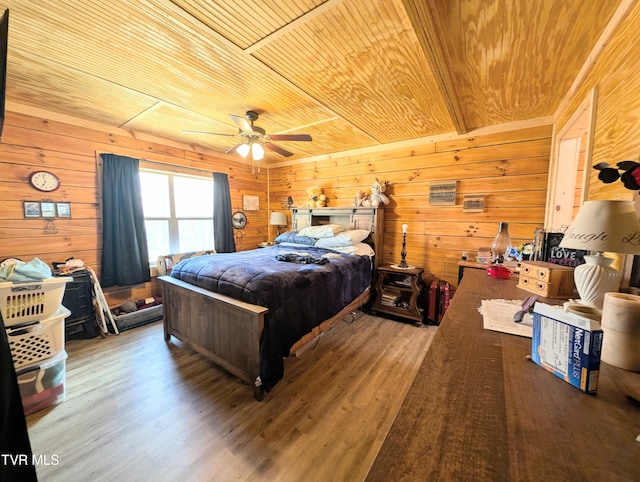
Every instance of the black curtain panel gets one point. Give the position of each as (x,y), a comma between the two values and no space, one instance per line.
(222,226)
(17,459)
(125,256)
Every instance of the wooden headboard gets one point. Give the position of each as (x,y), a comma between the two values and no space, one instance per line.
(371,219)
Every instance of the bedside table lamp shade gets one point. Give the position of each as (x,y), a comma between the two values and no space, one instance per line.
(601,226)
(278,219)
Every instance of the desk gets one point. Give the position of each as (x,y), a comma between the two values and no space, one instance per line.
(478,410)
(462,265)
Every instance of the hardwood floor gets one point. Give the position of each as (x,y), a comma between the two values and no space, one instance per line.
(138,408)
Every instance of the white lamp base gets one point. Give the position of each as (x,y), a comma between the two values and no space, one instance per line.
(595,278)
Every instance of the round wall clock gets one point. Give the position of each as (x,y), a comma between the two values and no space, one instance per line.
(239,220)
(44,181)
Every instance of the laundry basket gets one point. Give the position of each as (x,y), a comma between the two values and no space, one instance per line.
(33,342)
(31,301)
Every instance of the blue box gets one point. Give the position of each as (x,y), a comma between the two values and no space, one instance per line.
(567,345)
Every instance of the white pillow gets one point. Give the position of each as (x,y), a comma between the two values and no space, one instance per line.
(321,231)
(345,238)
(361,249)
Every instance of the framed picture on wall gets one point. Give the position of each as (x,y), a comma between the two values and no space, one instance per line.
(63,210)
(32,209)
(250,203)
(48,209)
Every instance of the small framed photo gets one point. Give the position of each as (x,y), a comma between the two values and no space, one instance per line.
(48,209)
(250,203)
(31,209)
(63,210)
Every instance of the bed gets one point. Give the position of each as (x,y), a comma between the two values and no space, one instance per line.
(245,311)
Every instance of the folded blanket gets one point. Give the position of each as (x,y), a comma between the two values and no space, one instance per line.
(21,272)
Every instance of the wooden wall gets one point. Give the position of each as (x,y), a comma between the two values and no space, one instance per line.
(616,75)
(509,168)
(31,143)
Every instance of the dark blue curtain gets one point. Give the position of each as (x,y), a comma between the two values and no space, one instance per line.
(125,257)
(222,226)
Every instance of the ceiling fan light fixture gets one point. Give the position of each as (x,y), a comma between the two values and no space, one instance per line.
(243,149)
(257,151)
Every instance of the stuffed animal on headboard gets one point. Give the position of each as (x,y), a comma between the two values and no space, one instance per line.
(360,198)
(316,198)
(378,198)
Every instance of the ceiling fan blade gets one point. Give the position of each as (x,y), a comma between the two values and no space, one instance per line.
(278,149)
(242,123)
(210,133)
(233,149)
(290,137)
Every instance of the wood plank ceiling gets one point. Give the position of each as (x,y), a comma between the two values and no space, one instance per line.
(352,73)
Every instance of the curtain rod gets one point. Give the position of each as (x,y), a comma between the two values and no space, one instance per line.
(164,164)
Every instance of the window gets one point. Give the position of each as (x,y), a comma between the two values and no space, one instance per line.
(178,212)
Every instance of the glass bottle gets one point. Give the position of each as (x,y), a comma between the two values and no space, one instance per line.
(501,244)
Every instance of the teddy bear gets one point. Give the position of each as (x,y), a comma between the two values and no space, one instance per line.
(360,199)
(377,197)
(316,198)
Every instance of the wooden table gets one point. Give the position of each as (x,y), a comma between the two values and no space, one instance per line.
(478,410)
(469,264)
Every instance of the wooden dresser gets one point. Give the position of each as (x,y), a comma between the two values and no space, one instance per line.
(478,410)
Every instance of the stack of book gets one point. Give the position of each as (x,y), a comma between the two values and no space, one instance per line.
(389,299)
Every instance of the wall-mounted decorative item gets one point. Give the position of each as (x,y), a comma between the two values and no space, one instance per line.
(44,181)
(48,209)
(250,203)
(286,202)
(63,210)
(239,220)
(31,209)
(443,193)
(473,204)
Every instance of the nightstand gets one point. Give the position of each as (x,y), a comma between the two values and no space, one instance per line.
(398,291)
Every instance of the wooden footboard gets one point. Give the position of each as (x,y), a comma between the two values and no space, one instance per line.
(225,330)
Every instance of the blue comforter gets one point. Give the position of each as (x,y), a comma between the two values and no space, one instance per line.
(298,296)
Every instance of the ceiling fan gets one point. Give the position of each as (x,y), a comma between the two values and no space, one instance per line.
(255,138)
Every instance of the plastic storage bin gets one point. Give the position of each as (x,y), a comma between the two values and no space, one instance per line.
(43,385)
(32,301)
(33,342)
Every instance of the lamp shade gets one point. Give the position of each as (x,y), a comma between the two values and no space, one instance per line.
(257,151)
(243,149)
(278,219)
(601,226)
(604,226)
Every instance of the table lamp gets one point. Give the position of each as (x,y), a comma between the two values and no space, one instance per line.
(278,219)
(601,226)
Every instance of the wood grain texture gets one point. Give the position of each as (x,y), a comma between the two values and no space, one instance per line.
(140,409)
(228,331)
(510,169)
(616,75)
(31,143)
(352,74)
(478,410)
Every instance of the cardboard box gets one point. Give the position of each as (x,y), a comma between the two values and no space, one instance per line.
(567,345)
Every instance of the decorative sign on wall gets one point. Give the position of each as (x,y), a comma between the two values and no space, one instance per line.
(473,204)
(250,203)
(443,193)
